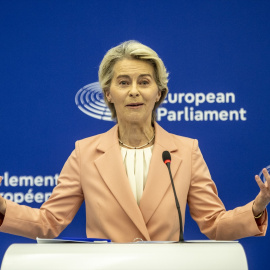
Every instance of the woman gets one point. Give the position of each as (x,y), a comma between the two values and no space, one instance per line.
(121,176)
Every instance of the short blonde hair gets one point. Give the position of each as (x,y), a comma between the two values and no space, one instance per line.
(132,50)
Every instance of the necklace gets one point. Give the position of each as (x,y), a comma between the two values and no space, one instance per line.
(132,147)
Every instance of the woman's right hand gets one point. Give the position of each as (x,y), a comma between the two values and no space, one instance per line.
(2,202)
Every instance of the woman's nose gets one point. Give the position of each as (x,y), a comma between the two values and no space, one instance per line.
(134,90)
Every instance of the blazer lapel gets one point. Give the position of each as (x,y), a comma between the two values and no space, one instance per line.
(158,180)
(111,168)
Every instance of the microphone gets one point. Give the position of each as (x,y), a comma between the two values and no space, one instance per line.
(166,156)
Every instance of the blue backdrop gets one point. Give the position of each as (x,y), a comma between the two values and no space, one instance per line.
(217,53)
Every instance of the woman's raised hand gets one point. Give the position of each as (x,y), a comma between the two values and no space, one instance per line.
(263,198)
(2,202)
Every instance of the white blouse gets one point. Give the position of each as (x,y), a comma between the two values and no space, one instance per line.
(137,163)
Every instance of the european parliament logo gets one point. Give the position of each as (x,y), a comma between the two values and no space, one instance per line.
(89,99)
(179,106)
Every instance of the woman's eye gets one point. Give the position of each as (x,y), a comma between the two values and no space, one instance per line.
(145,82)
(123,83)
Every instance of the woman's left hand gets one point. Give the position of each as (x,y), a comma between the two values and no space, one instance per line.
(263,198)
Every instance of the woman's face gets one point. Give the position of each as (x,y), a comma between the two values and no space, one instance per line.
(133,91)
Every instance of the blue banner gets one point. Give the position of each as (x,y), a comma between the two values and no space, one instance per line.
(217,54)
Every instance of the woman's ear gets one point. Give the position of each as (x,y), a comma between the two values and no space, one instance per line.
(108,96)
(158,96)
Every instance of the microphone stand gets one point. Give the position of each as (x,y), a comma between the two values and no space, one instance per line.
(181,236)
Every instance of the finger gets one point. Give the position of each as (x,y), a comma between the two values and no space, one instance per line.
(1,178)
(266,174)
(259,182)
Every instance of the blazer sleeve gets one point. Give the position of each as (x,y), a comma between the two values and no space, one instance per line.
(208,211)
(55,214)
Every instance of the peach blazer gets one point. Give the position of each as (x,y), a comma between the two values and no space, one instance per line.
(95,172)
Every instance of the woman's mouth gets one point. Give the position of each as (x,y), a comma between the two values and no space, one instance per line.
(134,105)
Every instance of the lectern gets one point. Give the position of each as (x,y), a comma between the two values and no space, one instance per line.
(189,255)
